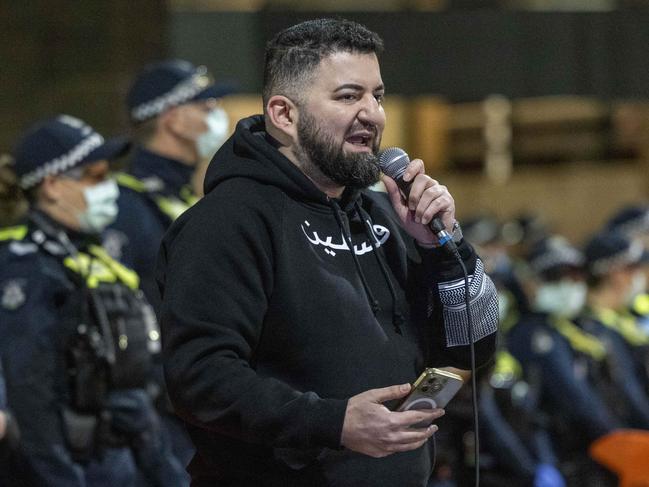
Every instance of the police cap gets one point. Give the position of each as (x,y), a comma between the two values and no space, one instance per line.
(58,144)
(167,84)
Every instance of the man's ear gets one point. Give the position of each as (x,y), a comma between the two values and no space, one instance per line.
(282,117)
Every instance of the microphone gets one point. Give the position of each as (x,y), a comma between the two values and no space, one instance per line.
(393,162)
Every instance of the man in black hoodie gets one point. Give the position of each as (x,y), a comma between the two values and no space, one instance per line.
(296,302)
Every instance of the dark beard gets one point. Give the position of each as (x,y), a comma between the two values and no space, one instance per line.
(355,170)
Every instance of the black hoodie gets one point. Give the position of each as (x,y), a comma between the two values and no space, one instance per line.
(270,324)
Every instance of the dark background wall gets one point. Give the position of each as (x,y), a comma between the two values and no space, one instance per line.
(73,56)
(463,55)
(79,57)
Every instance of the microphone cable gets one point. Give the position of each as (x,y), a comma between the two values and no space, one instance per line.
(474,385)
(393,162)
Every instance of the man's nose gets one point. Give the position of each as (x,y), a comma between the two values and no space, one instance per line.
(371,111)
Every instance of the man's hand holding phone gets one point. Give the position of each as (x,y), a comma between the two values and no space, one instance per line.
(372,429)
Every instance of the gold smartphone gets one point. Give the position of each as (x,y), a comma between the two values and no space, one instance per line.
(433,389)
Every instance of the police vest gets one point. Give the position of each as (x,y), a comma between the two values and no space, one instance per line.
(118,331)
(625,324)
(589,351)
(170,206)
(629,326)
(113,333)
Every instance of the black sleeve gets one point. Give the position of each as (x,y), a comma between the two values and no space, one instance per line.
(215,271)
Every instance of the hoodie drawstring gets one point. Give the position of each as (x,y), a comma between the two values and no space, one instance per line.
(397,317)
(343,224)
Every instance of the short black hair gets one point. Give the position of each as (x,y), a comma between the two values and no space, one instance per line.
(293,54)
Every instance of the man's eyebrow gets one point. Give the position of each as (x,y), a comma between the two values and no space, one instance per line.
(354,86)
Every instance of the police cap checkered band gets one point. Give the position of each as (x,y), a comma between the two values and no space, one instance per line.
(183,92)
(610,250)
(56,145)
(166,84)
(552,252)
(631,221)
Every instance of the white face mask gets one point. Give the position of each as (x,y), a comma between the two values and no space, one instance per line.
(563,298)
(217,131)
(638,286)
(101,206)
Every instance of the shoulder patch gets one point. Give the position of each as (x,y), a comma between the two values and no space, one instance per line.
(13,294)
(542,342)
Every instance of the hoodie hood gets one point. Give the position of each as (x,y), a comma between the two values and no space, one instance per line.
(251,153)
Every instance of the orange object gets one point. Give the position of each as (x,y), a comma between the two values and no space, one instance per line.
(625,452)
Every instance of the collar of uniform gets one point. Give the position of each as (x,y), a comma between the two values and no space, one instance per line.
(48,227)
(174,174)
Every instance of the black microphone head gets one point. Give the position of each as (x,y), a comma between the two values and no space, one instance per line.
(393,162)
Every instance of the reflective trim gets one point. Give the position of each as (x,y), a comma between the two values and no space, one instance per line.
(579,339)
(625,325)
(130,182)
(13,233)
(171,207)
(631,255)
(62,163)
(101,269)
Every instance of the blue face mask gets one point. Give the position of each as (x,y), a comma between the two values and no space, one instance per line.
(211,140)
(101,206)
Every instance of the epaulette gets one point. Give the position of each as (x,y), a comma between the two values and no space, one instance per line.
(148,185)
(17,232)
(15,237)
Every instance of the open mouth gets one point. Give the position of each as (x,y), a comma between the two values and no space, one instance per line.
(359,140)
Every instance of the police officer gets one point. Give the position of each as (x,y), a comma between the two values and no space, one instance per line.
(77,337)
(515,445)
(633,222)
(615,277)
(563,364)
(178,122)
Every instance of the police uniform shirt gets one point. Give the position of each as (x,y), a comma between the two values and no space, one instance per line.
(36,295)
(154,192)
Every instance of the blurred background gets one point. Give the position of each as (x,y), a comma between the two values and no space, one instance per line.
(516,105)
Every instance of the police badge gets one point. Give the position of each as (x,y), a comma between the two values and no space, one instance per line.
(13,294)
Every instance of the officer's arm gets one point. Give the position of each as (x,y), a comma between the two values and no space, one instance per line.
(28,326)
(216,271)
(505,443)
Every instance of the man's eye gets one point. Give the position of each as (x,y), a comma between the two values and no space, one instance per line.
(379,97)
(348,97)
